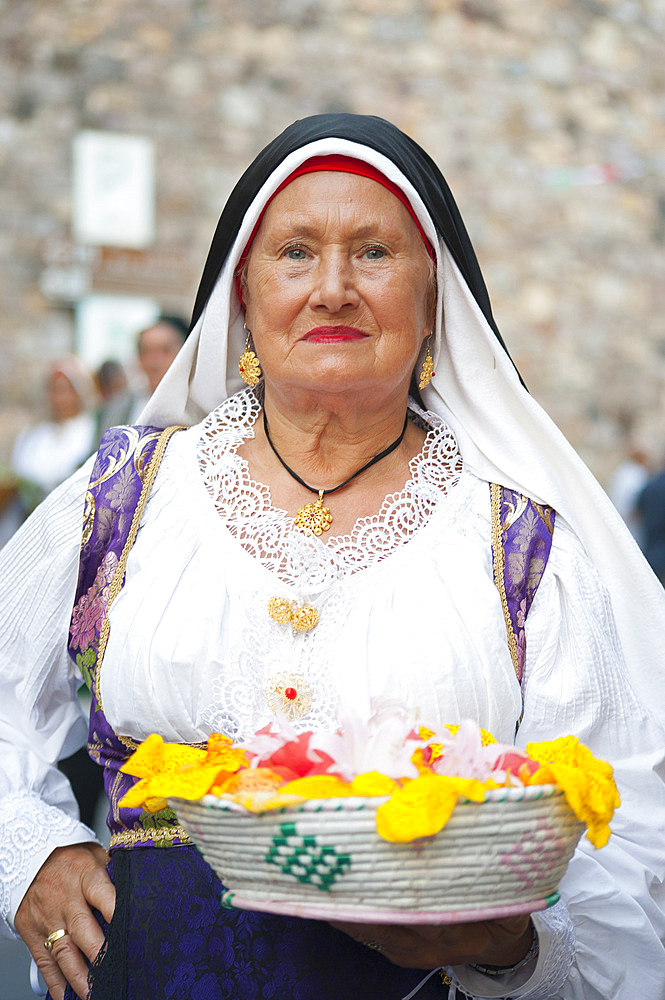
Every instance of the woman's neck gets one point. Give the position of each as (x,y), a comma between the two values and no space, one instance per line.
(327,440)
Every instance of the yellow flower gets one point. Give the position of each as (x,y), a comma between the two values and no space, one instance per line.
(587,783)
(373,784)
(485,737)
(153,792)
(175,770)
(154,756)
(317,786)
(423,806)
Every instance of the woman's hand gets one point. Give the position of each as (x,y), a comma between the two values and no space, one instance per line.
(70,882)
(428,946)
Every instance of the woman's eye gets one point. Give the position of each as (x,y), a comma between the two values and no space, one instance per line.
(295,253)
(374,253)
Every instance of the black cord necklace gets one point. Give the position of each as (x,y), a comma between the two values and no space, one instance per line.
(316,517)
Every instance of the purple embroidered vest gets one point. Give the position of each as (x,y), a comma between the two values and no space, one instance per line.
(126,464)
(521,541)
(119,484)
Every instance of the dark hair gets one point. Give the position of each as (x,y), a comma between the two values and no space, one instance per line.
(108,371)
(177,322)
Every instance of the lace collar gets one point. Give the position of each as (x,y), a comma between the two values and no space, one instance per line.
(269,534)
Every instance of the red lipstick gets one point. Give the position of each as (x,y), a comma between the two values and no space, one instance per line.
(334,334)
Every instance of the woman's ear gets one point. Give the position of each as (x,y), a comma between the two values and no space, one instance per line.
(244,287)
(430,297)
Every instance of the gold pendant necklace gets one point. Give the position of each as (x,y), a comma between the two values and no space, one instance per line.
(316,517)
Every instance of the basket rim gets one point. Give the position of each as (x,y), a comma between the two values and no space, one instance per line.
(355,803)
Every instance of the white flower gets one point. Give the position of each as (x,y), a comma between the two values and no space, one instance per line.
(385,742)
(465,756)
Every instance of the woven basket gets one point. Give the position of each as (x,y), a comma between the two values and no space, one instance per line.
(324,859)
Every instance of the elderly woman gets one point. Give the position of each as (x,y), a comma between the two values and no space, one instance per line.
(382,511)
(48,453)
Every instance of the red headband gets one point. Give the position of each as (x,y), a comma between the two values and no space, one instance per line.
(346,164)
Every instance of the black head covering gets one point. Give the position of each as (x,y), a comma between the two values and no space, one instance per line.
(387,139)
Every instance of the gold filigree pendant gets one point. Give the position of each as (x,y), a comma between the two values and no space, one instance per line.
(427,373)
(280,610)
(314,517)
(303,618)
(289,694)
(249,368)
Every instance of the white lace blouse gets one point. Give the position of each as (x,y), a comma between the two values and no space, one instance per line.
(408,609)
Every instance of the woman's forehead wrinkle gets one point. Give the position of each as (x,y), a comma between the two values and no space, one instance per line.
(355,219)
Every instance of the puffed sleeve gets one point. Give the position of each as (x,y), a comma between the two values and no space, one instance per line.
(575,682)
(40,718)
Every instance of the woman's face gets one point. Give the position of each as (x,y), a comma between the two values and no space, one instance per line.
(336,288)
(63,397)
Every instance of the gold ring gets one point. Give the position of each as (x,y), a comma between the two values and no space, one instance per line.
(52,938)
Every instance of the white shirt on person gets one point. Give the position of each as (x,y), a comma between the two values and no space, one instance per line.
(408,609)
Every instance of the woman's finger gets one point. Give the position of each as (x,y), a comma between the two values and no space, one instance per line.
(51,974)
(97,887)
(71,964)
(83,934)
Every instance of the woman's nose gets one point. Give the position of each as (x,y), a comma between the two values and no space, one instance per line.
(334,285)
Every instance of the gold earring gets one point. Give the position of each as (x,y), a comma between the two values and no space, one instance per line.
(248,364)
(427,372)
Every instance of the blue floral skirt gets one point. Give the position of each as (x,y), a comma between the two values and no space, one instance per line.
(170,939)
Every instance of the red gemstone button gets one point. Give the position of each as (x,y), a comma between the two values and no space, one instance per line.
(290,693)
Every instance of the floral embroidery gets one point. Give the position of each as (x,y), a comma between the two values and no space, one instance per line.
(521,635)
(86,662)
(121,492)
(88,614)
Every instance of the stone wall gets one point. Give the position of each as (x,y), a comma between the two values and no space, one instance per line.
(548,119)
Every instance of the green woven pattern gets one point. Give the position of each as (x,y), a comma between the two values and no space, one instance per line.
(306,860)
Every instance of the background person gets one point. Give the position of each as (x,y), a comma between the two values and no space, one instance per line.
(111,380)
(650,507)
(346,277)
(157,346)
(45,455)
(629,479)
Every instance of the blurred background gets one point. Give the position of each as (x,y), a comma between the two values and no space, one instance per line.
(124,126)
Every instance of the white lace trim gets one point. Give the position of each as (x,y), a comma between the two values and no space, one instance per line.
(29,828)
(269,534)
(551,970)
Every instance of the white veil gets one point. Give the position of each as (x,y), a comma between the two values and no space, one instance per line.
(503,434)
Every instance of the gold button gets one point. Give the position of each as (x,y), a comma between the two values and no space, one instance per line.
(302,617)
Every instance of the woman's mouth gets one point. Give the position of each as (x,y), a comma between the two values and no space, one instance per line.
(334,334)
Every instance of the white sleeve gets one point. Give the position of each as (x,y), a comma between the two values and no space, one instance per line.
(575,683)
(40,718)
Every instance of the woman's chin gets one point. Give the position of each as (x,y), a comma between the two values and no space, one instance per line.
(319,385)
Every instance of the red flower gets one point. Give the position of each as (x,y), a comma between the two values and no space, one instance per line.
(299,759)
